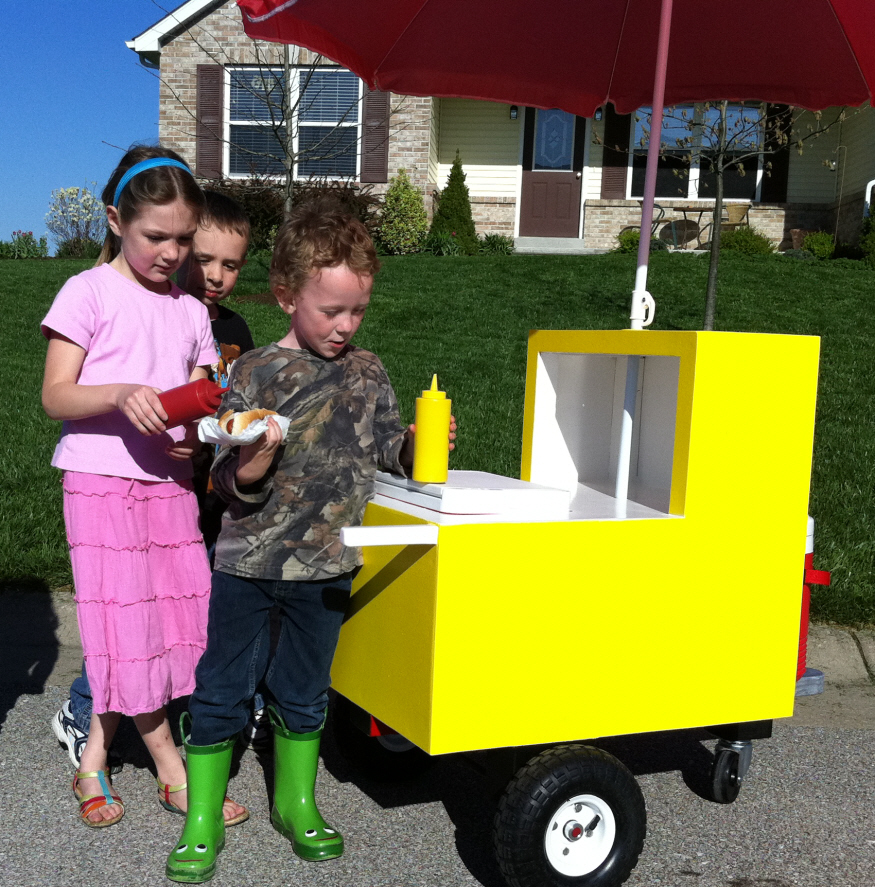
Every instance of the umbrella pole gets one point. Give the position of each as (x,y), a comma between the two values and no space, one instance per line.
(642,300)
(643,305)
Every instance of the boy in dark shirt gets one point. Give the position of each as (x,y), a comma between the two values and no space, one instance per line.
(280,540)
(210,274)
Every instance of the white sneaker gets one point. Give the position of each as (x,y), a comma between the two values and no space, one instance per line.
(258,732)
(73,739)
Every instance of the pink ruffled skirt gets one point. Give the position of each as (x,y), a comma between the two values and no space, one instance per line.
(142,588)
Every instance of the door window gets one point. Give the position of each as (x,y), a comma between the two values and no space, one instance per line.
(554,140)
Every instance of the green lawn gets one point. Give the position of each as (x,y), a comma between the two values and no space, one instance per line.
(467,320)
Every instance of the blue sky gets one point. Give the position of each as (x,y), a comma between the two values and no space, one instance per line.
(74,98)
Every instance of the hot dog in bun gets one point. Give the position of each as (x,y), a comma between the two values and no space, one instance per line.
(234,423)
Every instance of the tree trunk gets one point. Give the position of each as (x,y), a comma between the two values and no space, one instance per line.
(711,289)
(290,59)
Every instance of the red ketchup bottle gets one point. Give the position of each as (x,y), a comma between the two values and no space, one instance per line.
(190,402)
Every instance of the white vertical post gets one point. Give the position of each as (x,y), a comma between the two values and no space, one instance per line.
(624,457)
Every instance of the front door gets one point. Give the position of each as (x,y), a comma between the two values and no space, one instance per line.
(553,146)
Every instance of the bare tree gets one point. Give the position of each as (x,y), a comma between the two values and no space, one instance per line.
(278,101)
(722,141)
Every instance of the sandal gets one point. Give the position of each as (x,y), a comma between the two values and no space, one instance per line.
(165,791)
(90,803)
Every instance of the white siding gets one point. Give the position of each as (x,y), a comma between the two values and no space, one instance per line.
(858,154)
(434,140)
(592,175)
(488,142)
(809,179)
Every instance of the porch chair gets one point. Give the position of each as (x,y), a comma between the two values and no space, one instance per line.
(734,217)
(658,213)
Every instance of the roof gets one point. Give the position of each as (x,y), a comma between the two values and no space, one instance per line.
(149,44)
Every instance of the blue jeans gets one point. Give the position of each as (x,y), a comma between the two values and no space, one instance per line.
(81,702)
(238,648)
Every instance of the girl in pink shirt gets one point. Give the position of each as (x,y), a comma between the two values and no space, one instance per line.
(119,334)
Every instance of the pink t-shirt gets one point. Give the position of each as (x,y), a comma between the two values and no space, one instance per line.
(130,335)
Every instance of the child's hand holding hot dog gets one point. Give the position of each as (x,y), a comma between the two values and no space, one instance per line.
(256,458)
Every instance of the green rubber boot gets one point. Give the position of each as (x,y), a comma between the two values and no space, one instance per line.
(294,814)
(193,860)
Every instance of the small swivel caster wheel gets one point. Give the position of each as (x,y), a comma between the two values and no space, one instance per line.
(731,763)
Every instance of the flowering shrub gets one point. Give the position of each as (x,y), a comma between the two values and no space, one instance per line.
(24,246)
(76,216)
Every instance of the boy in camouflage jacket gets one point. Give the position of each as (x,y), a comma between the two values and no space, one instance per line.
(280,538)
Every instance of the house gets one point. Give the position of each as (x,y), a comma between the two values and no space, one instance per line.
(530,173)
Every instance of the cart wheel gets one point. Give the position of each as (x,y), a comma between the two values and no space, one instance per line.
(573,815)
(725,776)
(384,758)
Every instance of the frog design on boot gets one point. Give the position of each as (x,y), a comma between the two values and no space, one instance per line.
(193,859)
(294,814)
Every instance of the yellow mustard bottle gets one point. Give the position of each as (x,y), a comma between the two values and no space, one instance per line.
(431,445)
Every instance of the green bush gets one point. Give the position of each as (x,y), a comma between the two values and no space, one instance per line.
(78,248)
(629,238)
(747,241)
(497,245)
(262,201)
(802,254)
(848,251)
(357,200)
(439,244)
(24,246)
(820,244)
(867,245)
(403,222)
(453,213)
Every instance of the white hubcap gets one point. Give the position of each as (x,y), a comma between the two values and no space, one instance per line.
(580,836)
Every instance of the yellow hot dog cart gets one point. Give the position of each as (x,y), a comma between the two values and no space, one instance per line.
(495,612)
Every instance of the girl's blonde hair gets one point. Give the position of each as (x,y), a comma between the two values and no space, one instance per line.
(152,187)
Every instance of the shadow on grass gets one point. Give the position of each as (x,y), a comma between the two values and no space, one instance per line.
(30,651)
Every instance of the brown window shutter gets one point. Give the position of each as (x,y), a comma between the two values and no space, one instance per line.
(774,184)
(208,160)
(375,136)
(615,157)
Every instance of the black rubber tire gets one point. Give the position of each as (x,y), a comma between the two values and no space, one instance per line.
(725,781)
(368,754)
(540,789)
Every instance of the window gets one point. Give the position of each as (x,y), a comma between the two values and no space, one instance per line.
(690,136)
(326,125)
(554,140)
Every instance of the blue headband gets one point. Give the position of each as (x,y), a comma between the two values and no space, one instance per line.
(142,166)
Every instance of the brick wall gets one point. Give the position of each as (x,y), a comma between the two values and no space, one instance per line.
(219,38)
(493,215)
(409,140)
(604,219)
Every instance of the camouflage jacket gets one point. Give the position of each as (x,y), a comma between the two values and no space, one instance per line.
(344,425)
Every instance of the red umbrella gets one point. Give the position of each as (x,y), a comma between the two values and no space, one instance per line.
(579,54)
